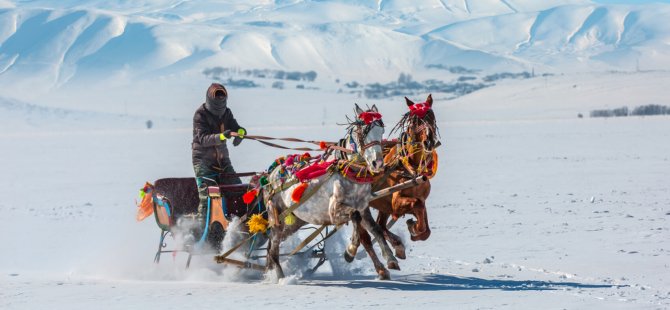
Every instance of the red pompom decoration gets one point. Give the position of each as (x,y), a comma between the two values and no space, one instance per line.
(369,117)
(419,109)
(323,145)
(298,191)
(249,196)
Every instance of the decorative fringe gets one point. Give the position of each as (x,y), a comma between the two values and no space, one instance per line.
(257,224)
(249,196)
(434,166)
(298,191)
(146,205)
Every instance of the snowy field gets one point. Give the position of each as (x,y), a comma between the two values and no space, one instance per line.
(535,209)
(532,207)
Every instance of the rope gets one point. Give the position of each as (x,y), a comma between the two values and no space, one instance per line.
(234,134)
(261,139)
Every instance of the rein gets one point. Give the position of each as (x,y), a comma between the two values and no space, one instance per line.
(324,146)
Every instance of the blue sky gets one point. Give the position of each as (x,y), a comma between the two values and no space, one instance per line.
(631,1)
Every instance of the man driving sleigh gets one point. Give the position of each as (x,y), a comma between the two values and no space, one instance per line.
(213,124)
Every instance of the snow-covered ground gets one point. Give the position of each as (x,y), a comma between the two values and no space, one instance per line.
(535,208)
(532,207)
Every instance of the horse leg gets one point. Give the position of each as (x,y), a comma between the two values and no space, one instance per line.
(395,241)
(275,241)
(366,241)
(370,225)
(352,248)
(418,229)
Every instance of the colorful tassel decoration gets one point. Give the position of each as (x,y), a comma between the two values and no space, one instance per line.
(323,145)
(264,181)
(289,219)
(146,205)
(298,191)
(257,224)
(249,196)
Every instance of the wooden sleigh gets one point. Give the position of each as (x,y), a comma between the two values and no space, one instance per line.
(174,201)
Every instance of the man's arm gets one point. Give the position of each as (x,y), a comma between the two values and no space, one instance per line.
(232,125)
(204,135)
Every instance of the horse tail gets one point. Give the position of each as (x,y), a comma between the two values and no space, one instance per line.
(146,205)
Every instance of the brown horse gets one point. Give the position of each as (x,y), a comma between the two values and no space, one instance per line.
(413,156)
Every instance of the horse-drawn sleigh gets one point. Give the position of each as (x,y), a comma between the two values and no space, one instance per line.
(319,193)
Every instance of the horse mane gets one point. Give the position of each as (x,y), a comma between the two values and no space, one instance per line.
(408,120)
(356,122)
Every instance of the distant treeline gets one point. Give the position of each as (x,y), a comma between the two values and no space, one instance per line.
(454,69)
(506,75)
(650,109)
(467,83)
(405,86)
(217,73)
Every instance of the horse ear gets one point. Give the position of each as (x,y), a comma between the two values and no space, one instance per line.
(358,109)
(409,102)
(374,108)
(429,100)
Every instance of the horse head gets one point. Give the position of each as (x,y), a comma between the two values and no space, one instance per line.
(420,132)
(418,140)
(364,137)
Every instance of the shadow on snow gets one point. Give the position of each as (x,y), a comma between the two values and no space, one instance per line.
(438,282)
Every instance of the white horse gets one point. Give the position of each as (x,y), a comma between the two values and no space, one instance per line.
(334,199)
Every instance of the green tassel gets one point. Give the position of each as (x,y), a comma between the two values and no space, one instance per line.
(264,181)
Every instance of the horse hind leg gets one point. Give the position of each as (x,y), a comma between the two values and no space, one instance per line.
(274,243)
(352,248)
(366,241)
(396,242)
(370,225)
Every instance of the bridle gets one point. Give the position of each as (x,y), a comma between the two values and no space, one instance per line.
(361,131)
(413,126)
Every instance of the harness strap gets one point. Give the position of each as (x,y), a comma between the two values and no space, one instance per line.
(380,182)
(304,198)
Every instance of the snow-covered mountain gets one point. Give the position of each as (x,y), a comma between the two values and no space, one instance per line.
(53,43)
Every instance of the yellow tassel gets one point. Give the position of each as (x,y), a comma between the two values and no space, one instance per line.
(257,224)
(289,219)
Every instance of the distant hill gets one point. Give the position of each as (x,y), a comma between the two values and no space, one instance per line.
(53,43)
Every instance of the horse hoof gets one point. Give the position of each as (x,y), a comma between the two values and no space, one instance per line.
(348,257)
(383,275)
(400,253)
(393,265)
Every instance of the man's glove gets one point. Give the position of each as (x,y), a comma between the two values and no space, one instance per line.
(240,136)
(225,135)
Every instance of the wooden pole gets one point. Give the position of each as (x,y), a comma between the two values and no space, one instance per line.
(398,187)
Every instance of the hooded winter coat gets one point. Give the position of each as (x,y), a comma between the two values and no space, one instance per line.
(208,149)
